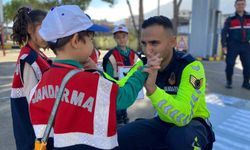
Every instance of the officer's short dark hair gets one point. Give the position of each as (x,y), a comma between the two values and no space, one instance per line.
(239,0)
(158,20)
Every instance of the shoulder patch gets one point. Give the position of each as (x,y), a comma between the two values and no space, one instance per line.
(196,83)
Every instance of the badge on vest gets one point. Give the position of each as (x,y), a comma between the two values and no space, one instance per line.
(172,79)
(196,83)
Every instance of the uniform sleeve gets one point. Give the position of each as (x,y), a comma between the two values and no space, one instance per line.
(29,79)
(180,109)
(123,81)
(129,86)
(127,94)
(224,32)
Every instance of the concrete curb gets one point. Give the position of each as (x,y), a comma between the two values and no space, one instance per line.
(215,58)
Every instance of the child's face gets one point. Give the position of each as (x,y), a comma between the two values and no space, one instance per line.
(36,38)
(121,38)
(86,47)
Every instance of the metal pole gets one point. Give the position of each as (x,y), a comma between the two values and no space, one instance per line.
(158,8)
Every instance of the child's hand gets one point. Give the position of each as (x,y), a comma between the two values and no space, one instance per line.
(153,65)
(89,64)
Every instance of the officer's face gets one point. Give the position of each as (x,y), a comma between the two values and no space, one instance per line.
(156,39)
(240,6)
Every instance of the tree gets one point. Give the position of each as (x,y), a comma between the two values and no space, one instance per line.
(11,7)
(141,19)
(111,2)
(132,15)
(82,4)
(176,5)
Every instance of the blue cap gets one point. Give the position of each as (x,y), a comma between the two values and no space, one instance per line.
(99,28)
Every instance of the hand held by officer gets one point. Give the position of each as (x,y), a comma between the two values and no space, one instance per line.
(224,50)
(89,64)
(153,65)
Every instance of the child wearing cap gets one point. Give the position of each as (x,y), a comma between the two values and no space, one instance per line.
(30,66)
(118,57)
(86,117)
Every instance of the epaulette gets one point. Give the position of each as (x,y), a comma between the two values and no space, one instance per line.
(31,58)
(184,56)
(247,14)
(232,15)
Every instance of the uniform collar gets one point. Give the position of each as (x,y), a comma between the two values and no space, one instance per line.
(236,14)
(69,62)
(123,52)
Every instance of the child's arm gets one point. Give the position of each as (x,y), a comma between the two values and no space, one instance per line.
(128,93)
(123,81)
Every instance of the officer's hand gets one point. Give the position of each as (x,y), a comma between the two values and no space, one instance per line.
(153,62)
(153,65)
(224,49)
(89,64)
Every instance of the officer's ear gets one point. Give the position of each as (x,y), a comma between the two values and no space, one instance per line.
(173,41)
(171,38)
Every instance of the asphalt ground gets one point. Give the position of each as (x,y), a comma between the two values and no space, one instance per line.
(224,104)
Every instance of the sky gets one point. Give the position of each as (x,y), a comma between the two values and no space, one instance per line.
(102,10)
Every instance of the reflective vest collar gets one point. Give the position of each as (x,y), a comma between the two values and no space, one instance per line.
(67,63)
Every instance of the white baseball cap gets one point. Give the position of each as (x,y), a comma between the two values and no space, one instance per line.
(66,20)
(120,28)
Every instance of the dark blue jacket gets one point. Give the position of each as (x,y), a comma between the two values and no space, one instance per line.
(236,30)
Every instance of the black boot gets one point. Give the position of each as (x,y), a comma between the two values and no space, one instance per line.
(119,117)
(229,85)
(125,117)
(229,81)
(246,85)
